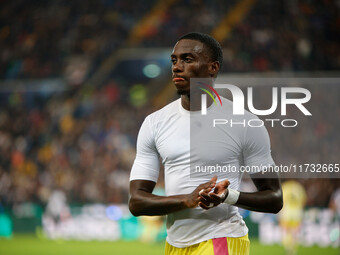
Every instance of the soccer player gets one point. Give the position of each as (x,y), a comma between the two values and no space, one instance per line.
(290,217)
(202,213)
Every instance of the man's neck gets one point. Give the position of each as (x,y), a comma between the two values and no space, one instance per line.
(193,102)
(185,101)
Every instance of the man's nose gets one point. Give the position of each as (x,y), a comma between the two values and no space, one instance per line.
(177,67)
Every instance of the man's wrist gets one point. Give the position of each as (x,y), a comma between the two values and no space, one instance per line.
(232,197)
(186,201)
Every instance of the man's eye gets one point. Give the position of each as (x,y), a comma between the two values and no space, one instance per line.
(188,60)
(173,60)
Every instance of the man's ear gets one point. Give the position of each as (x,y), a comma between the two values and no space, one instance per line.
(214,67)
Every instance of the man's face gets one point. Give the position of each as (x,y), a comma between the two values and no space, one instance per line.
(189,60)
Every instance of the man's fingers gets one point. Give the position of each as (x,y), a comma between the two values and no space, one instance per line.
(205,191)
(205,198)
(217,197)
(214,180)
(214,199)
(225,183)
(206,187)
(206,207)
(210,184)
(221,186)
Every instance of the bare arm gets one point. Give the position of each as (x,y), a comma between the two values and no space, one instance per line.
(143,202)
(268,198)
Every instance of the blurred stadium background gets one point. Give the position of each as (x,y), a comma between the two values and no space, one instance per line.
(77,80)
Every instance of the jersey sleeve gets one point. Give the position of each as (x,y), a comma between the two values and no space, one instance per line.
(256,151)
(146,164)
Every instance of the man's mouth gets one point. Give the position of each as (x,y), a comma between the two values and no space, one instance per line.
(178,79)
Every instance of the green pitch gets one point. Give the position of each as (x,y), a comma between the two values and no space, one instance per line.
(31,245)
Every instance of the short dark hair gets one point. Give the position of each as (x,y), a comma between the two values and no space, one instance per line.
(210,42)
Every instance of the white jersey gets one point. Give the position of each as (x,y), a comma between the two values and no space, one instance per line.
(166,134)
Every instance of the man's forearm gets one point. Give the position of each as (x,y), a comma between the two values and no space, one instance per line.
(149,204)
(143,202)
(262,201)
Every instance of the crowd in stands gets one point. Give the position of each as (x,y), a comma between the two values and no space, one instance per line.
(37,38)
(83,140)
(201,16)
(274,36)
(286,36)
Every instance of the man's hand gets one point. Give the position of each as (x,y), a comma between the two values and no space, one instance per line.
(211,199)
(193,199)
